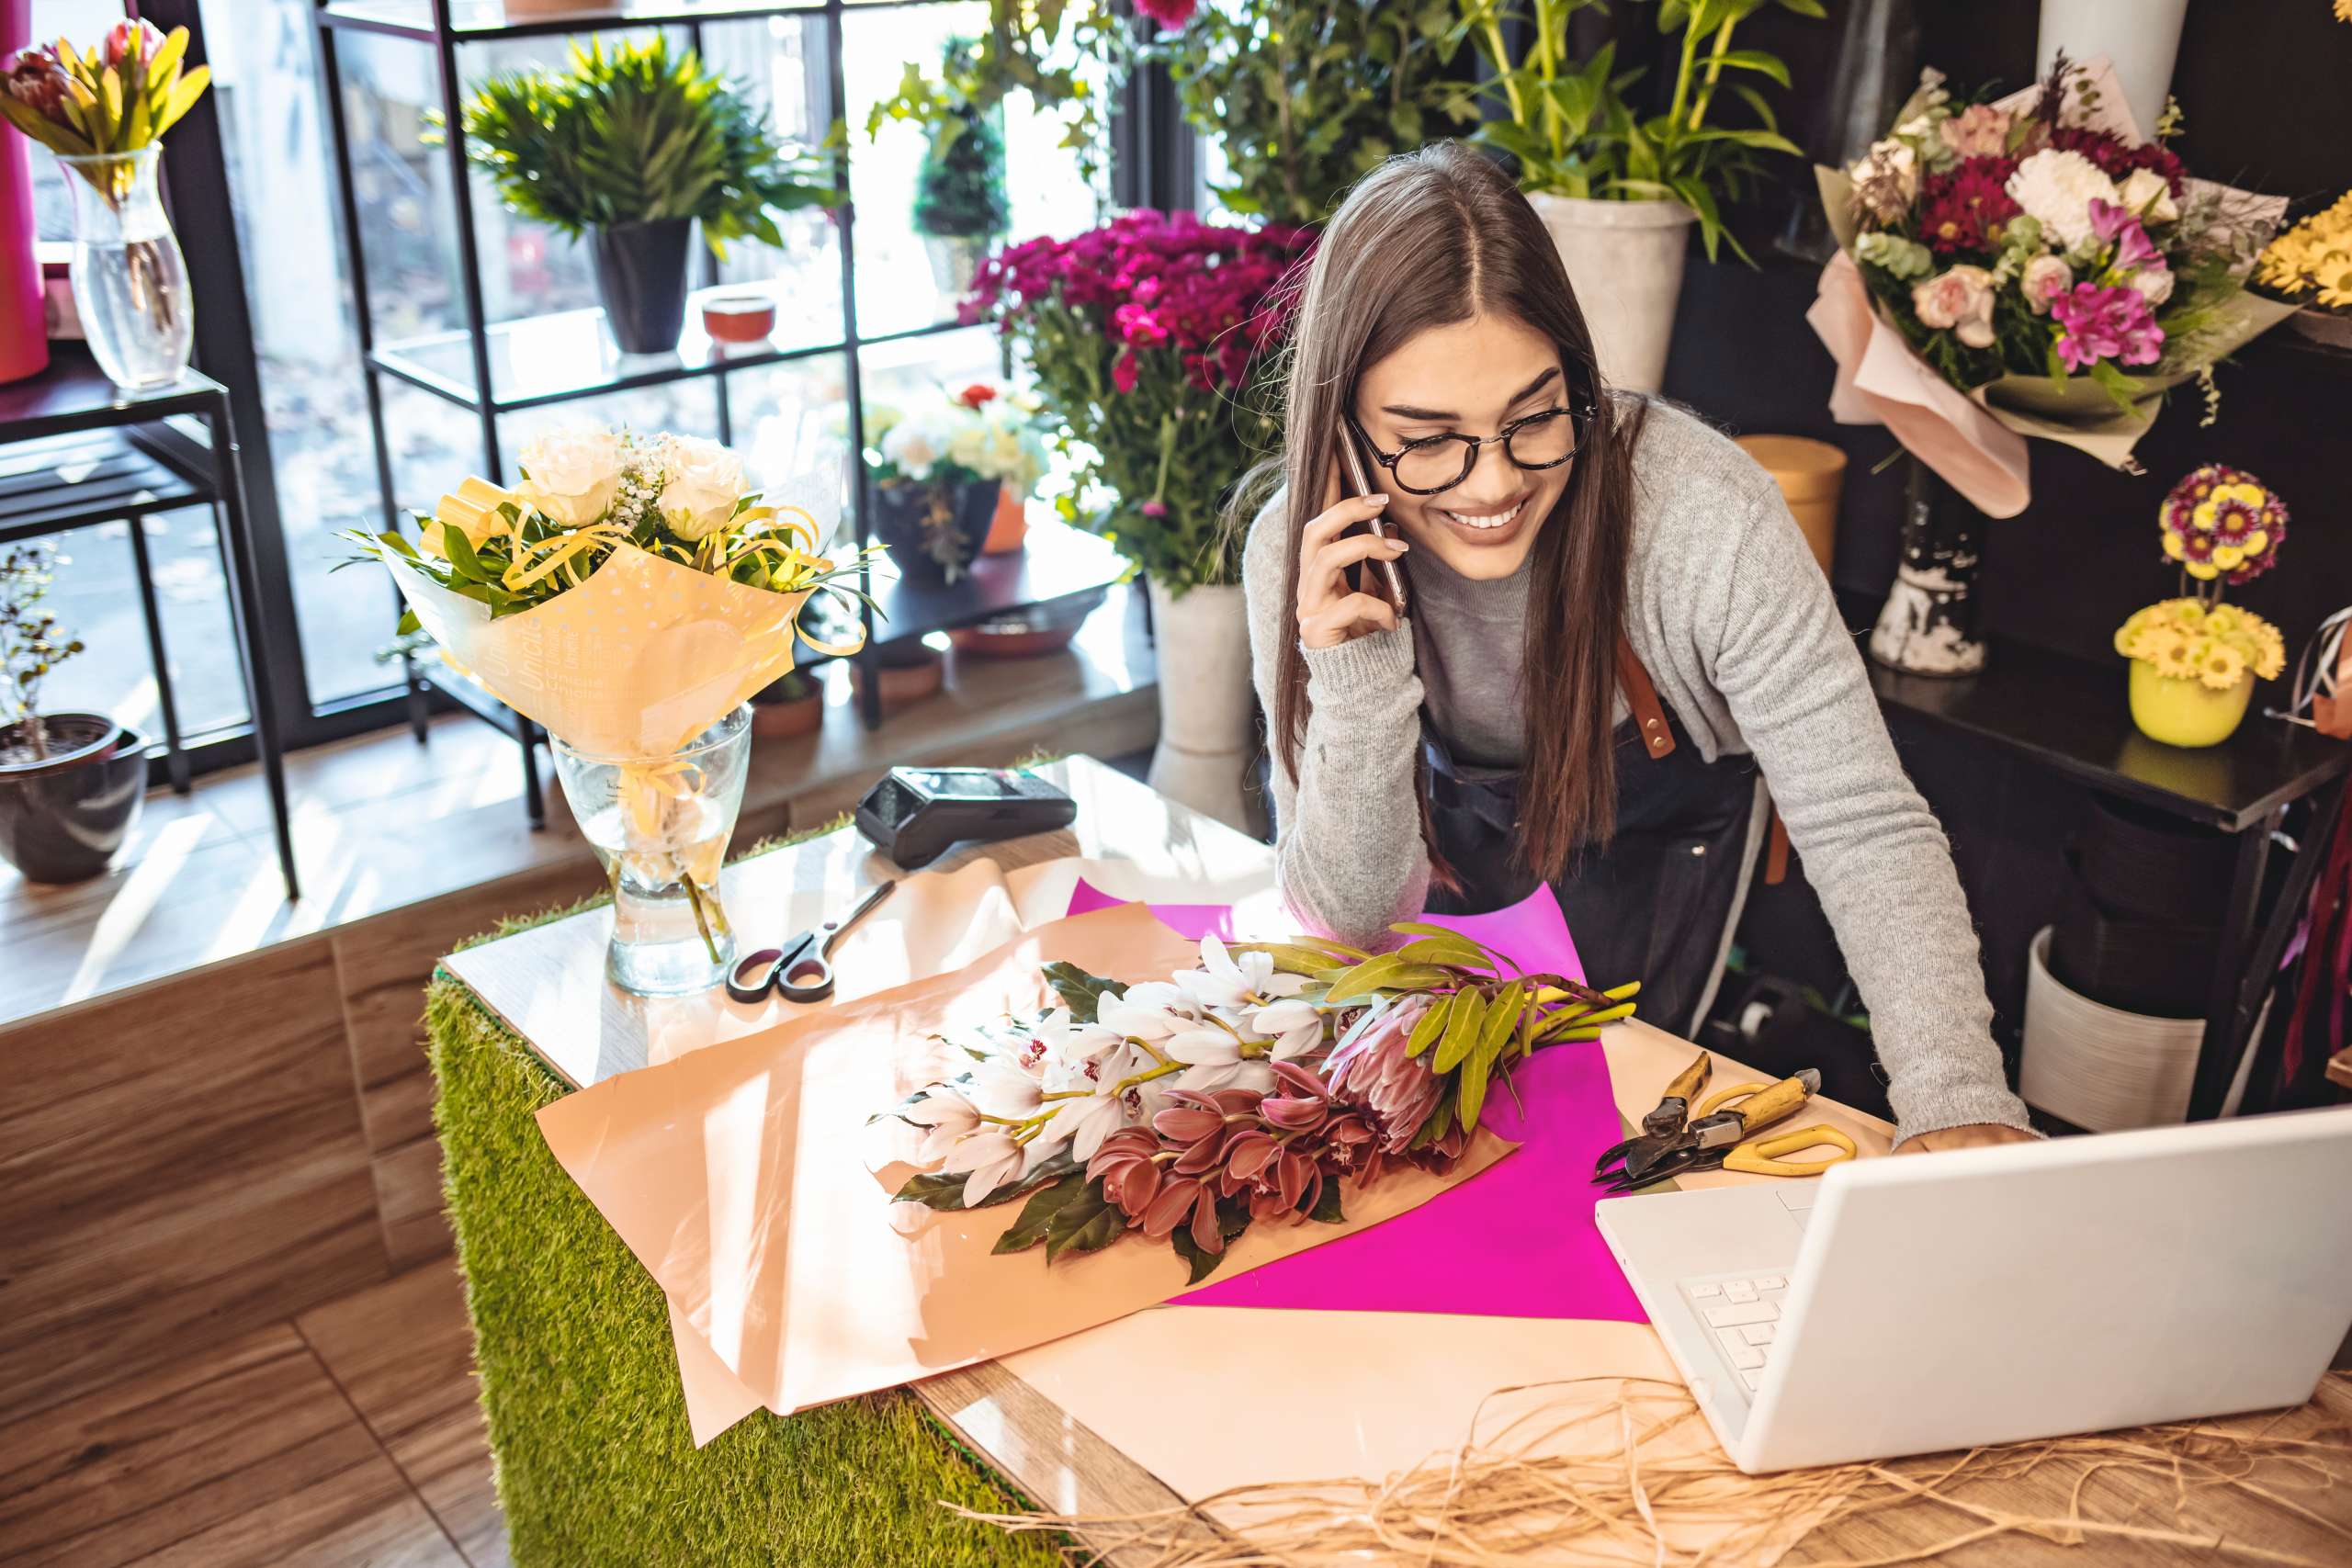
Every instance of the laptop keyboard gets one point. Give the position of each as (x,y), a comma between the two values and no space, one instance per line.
(1742,1315)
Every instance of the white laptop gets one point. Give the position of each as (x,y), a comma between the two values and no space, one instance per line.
(1916,1304)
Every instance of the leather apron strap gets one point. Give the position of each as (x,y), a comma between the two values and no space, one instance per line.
(1640,697)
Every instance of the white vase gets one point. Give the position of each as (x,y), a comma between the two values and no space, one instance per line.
(2138,38)
(1207,727)
(1624,260)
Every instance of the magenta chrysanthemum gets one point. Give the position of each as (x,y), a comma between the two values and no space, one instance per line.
(1965,208)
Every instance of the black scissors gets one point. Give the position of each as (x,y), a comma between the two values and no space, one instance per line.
(801,970)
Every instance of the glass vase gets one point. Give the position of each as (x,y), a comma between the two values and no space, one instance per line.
(130,280)
(1929,625)
(660,826)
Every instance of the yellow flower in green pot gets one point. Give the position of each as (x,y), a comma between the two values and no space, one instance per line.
(2194,666)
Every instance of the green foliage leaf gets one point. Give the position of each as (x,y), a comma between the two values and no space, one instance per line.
(1430,1027)
(1232,1219)
(1327,1205)
(1463,1025)
(1086,1221)
(935,1189)
(1460,950)
(1039,1213)
(1365,978)
(1081,992)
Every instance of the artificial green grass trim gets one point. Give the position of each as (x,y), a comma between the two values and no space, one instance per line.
(580,1385)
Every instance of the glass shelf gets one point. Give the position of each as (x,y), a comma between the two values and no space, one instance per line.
(472,21)
(569,355)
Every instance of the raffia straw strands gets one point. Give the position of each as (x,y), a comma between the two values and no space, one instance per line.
(1615,1470)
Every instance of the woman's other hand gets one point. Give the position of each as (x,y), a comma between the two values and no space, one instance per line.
(1328,613)
(1975,1136)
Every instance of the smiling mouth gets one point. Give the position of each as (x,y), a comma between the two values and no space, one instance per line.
(1486,522)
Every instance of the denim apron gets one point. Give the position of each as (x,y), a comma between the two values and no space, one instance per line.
(1658,904)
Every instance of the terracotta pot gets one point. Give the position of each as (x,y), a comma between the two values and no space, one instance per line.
(1013,642)
(1009,529)
(905,678)
(1624,261)
(2185,713)
(63,817)
(1811,474)
(798,716)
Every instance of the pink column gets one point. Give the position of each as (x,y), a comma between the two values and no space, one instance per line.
(24,337)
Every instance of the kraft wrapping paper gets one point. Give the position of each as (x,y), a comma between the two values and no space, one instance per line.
(741,1175)
(1976,440)
(636,661)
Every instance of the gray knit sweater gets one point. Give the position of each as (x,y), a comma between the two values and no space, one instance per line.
(1735,622)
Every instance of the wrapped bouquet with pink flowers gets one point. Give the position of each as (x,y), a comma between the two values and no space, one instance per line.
(2032,266)
(1245,1090)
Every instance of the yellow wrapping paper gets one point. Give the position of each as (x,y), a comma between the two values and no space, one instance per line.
(742,1176)
(636,661)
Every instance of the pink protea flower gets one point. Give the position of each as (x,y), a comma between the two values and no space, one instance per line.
(130,40)
(35,77)
(2110,322)
(1397,1091)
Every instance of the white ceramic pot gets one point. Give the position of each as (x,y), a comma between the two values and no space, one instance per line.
(2138,38)
(2099,1066)
(1624,260)
(1207,727)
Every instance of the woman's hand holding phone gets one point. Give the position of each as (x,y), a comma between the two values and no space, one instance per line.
(1330,611)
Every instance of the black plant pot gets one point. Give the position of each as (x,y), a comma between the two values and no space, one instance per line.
(935,528)
(61,819)
(642,276)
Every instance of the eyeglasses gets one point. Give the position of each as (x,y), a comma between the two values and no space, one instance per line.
(1435,464)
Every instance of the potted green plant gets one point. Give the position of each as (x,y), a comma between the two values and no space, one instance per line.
(1618,190)
(961,209)
(70,783)
(1305,96)
(631,146)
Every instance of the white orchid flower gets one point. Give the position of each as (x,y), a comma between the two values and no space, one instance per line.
(1254,1076)
(1003,1089)
(945,1117)
(990,1160)
(1203,1047)
(1086,1121)
(1296,1027)
(1141,1018)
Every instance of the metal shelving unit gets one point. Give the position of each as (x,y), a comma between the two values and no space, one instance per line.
(475,367)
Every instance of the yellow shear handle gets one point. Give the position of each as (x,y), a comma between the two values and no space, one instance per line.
(1759,1157)
(1763,1103)
(1692,1079)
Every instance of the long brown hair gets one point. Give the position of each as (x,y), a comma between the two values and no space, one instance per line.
(1428,238)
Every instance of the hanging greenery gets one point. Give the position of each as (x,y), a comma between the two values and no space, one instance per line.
(959,193)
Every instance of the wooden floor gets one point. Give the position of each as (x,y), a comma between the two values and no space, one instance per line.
(345,1438)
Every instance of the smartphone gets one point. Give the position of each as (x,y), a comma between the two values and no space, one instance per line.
(1355,478)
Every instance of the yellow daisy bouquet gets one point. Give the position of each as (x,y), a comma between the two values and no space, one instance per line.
(2195,660)
(2310,266)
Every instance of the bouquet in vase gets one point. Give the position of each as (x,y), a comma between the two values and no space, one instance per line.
(628,594)
(1245,1090)
(2030,267)
(942,466)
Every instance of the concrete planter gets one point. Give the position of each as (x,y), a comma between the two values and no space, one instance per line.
(1624,260)
(1206,724)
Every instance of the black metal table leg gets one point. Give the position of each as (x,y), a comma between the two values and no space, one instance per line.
(174,754)
(246,605)
(418,713)
(2217,1054)
(534,800)
(2268,949)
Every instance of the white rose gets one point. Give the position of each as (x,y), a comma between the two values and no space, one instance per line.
(2057,187)
(2046,278)
(1890,157)
(2149,197)
(911,448)
(2154,285)
(701,483)
(570,475)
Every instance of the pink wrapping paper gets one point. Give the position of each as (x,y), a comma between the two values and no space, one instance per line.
(1518,1240)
